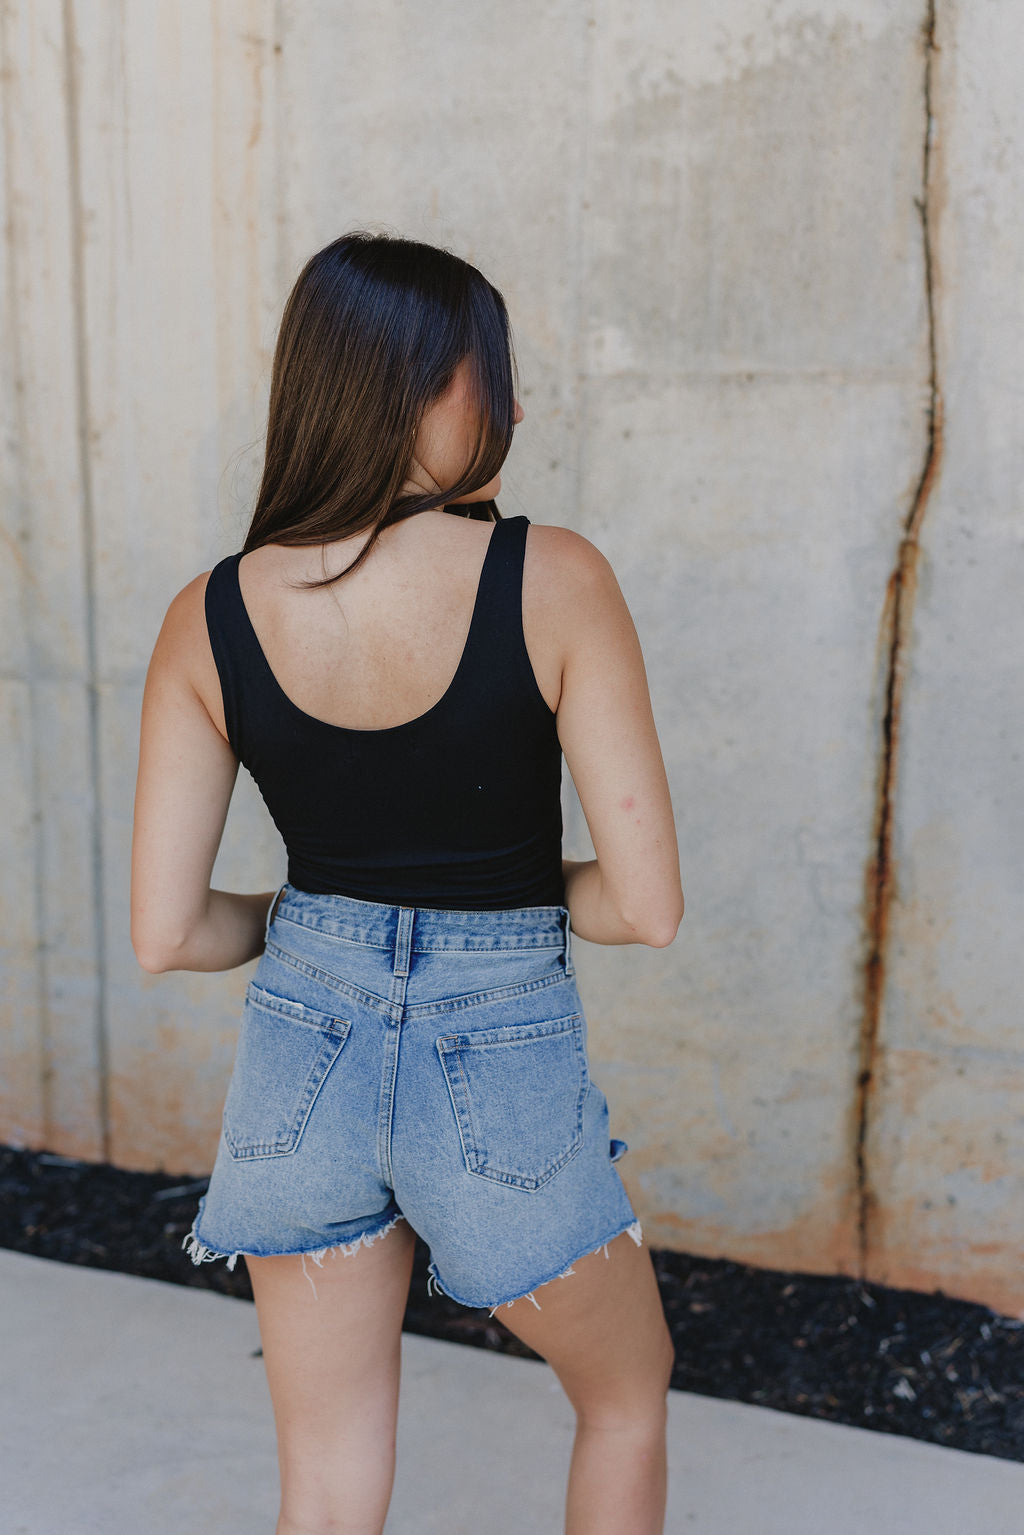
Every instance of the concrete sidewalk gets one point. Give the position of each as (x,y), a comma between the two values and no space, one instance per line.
(133,1407)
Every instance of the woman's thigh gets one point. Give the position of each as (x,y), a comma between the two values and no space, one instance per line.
(602,1329)
(331,1338)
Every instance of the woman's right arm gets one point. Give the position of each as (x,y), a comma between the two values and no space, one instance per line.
(631,891)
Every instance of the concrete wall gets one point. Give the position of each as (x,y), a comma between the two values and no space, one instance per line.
(765,269)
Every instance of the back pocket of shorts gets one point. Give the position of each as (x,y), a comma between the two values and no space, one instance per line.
(518,1097)
(285,1051)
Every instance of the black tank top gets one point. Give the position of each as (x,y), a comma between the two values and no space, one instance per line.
(457,809)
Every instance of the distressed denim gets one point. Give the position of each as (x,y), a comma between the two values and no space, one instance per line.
(408,1063)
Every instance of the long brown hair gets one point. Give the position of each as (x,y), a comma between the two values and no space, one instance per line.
(371,335)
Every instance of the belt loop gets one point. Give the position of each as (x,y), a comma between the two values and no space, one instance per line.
(273,908)
(566,921)
(403,939)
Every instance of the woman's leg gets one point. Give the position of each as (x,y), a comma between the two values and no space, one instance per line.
(332,1363)
(603,1331)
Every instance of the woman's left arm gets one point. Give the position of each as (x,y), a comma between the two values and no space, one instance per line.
(187,772)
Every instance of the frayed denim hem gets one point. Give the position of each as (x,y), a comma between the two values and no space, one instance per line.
(200,1253)
(434,1283)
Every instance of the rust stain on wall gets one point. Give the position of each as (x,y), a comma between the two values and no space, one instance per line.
(986,1284)
(945,1263)
(166,1097)
(822,1240)
(897,613)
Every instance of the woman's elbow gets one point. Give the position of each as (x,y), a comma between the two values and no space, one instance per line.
(659,928)
(661,937)
(154,953)
(161,940)
(151,960)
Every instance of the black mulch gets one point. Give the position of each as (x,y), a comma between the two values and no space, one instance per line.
(902,1362)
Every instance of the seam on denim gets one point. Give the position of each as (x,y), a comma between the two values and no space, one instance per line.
(361,940)
(386,1104)
(633,1227)
(474,1159)
(416,1009)
(525,1033)
(424,946)
(332,982)
(331,1046)
(473,1154)
(305,1015)
(476,998)
(485,946)
(507,943)
(455,1107)
(529,1184)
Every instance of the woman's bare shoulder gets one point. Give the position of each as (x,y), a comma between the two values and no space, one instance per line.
(570,588)
(571,604)
(184,623)
(182,648)
(562,566)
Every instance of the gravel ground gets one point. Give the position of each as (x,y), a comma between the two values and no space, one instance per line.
(898,1361)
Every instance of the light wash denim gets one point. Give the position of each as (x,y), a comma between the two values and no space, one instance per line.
(398,1062)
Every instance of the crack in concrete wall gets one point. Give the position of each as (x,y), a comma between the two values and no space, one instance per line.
(80,342)
(17,540)
(897,613)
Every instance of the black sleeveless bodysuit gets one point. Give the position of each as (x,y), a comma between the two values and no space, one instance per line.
(458,809)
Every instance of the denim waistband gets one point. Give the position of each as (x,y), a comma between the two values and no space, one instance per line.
(422,928)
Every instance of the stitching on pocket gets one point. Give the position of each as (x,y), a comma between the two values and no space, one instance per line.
(288,1007)
(261,1071)
(493,1104)
(332,982)
(479,998)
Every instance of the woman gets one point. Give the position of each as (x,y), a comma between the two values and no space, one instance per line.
(401,671)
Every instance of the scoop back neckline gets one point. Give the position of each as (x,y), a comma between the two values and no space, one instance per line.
(379,730)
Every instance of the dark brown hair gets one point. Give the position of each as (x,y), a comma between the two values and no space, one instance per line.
(371,336)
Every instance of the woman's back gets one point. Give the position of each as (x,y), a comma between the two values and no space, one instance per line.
(454,804)
(382,646)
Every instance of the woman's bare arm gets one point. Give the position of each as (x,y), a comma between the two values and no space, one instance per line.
(631,891)
(186,775)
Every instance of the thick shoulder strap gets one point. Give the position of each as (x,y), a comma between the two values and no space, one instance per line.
(495,647)
(500,597)
(230,640)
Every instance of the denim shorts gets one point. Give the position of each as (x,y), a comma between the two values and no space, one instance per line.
(407,1063)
